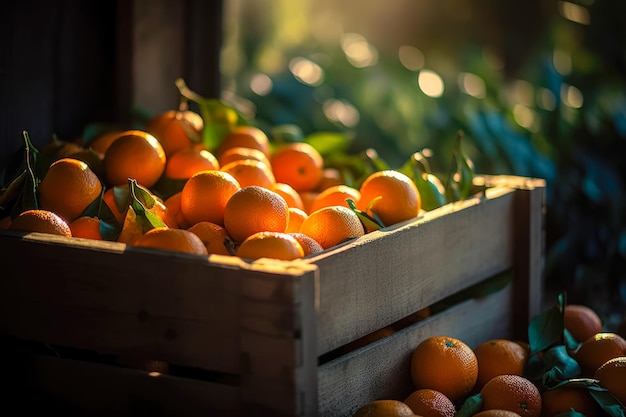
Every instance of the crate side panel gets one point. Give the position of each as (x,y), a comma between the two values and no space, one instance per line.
(125,301)
(415,266)
(279,363)
(382,370)
(84,388)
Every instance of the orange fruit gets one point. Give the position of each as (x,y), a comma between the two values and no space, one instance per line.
(445,364)
(86,227)
(299,165)
(250,172)
(399,200)
(499,357)
(162,212)
(57,149)
(562,399)
(330,177)
(5,223)
(309,245)
(137,155)
(255,209)
(94,159)
(307,198)
(42,221)
(581,321)
(239,152)
(173,207)
(291,196)
(205,194)
(384,408)
(427,402)
(102,142)
(496,413)
(176,130)
(68,188)
(273,245)
(185,162)
(612,376)
(245,137)
(332,225)
(598,349)
(213,236)
(166,238)
(336,195)
(296,218)
(514,393)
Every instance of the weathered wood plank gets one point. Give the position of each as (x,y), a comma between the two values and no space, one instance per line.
(414,265)
(382,369)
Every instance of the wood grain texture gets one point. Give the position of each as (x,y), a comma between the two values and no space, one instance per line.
(389,274)
(382,369)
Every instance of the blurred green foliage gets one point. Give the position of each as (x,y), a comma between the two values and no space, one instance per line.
(562,118)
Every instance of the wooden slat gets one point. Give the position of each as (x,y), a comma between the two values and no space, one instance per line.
(84,388)
(279,375)
(382,369)
(127,301)
(414,265)
(529,250)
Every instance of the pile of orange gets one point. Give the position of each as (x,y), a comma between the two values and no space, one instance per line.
(445,372)
(248,197)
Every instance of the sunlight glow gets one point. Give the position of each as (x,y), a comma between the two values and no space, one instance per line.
(306,71)
(572,96)
(523,92)
(574,12)
(472,85)
(430,83)
(546,99)
(525,117)
(342,112)
(411,57)
(358,50)
(562,62)
(261,84)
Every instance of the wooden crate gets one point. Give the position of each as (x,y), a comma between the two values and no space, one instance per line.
(267,337)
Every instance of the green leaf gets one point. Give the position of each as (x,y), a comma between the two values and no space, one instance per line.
(602,396)
(369,223)
(546,329)
(570,341)
(328,143)
(472,405)
(607,401)
(141,201)
(461,175)
(288,133)
(570,413)
(21,192)
(431,190)
(218,117)
(560,366)
(375,160)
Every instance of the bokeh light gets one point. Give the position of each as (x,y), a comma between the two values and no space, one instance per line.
(306,71)
(472,85)
(359,52)
(411,57)
(430,83)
